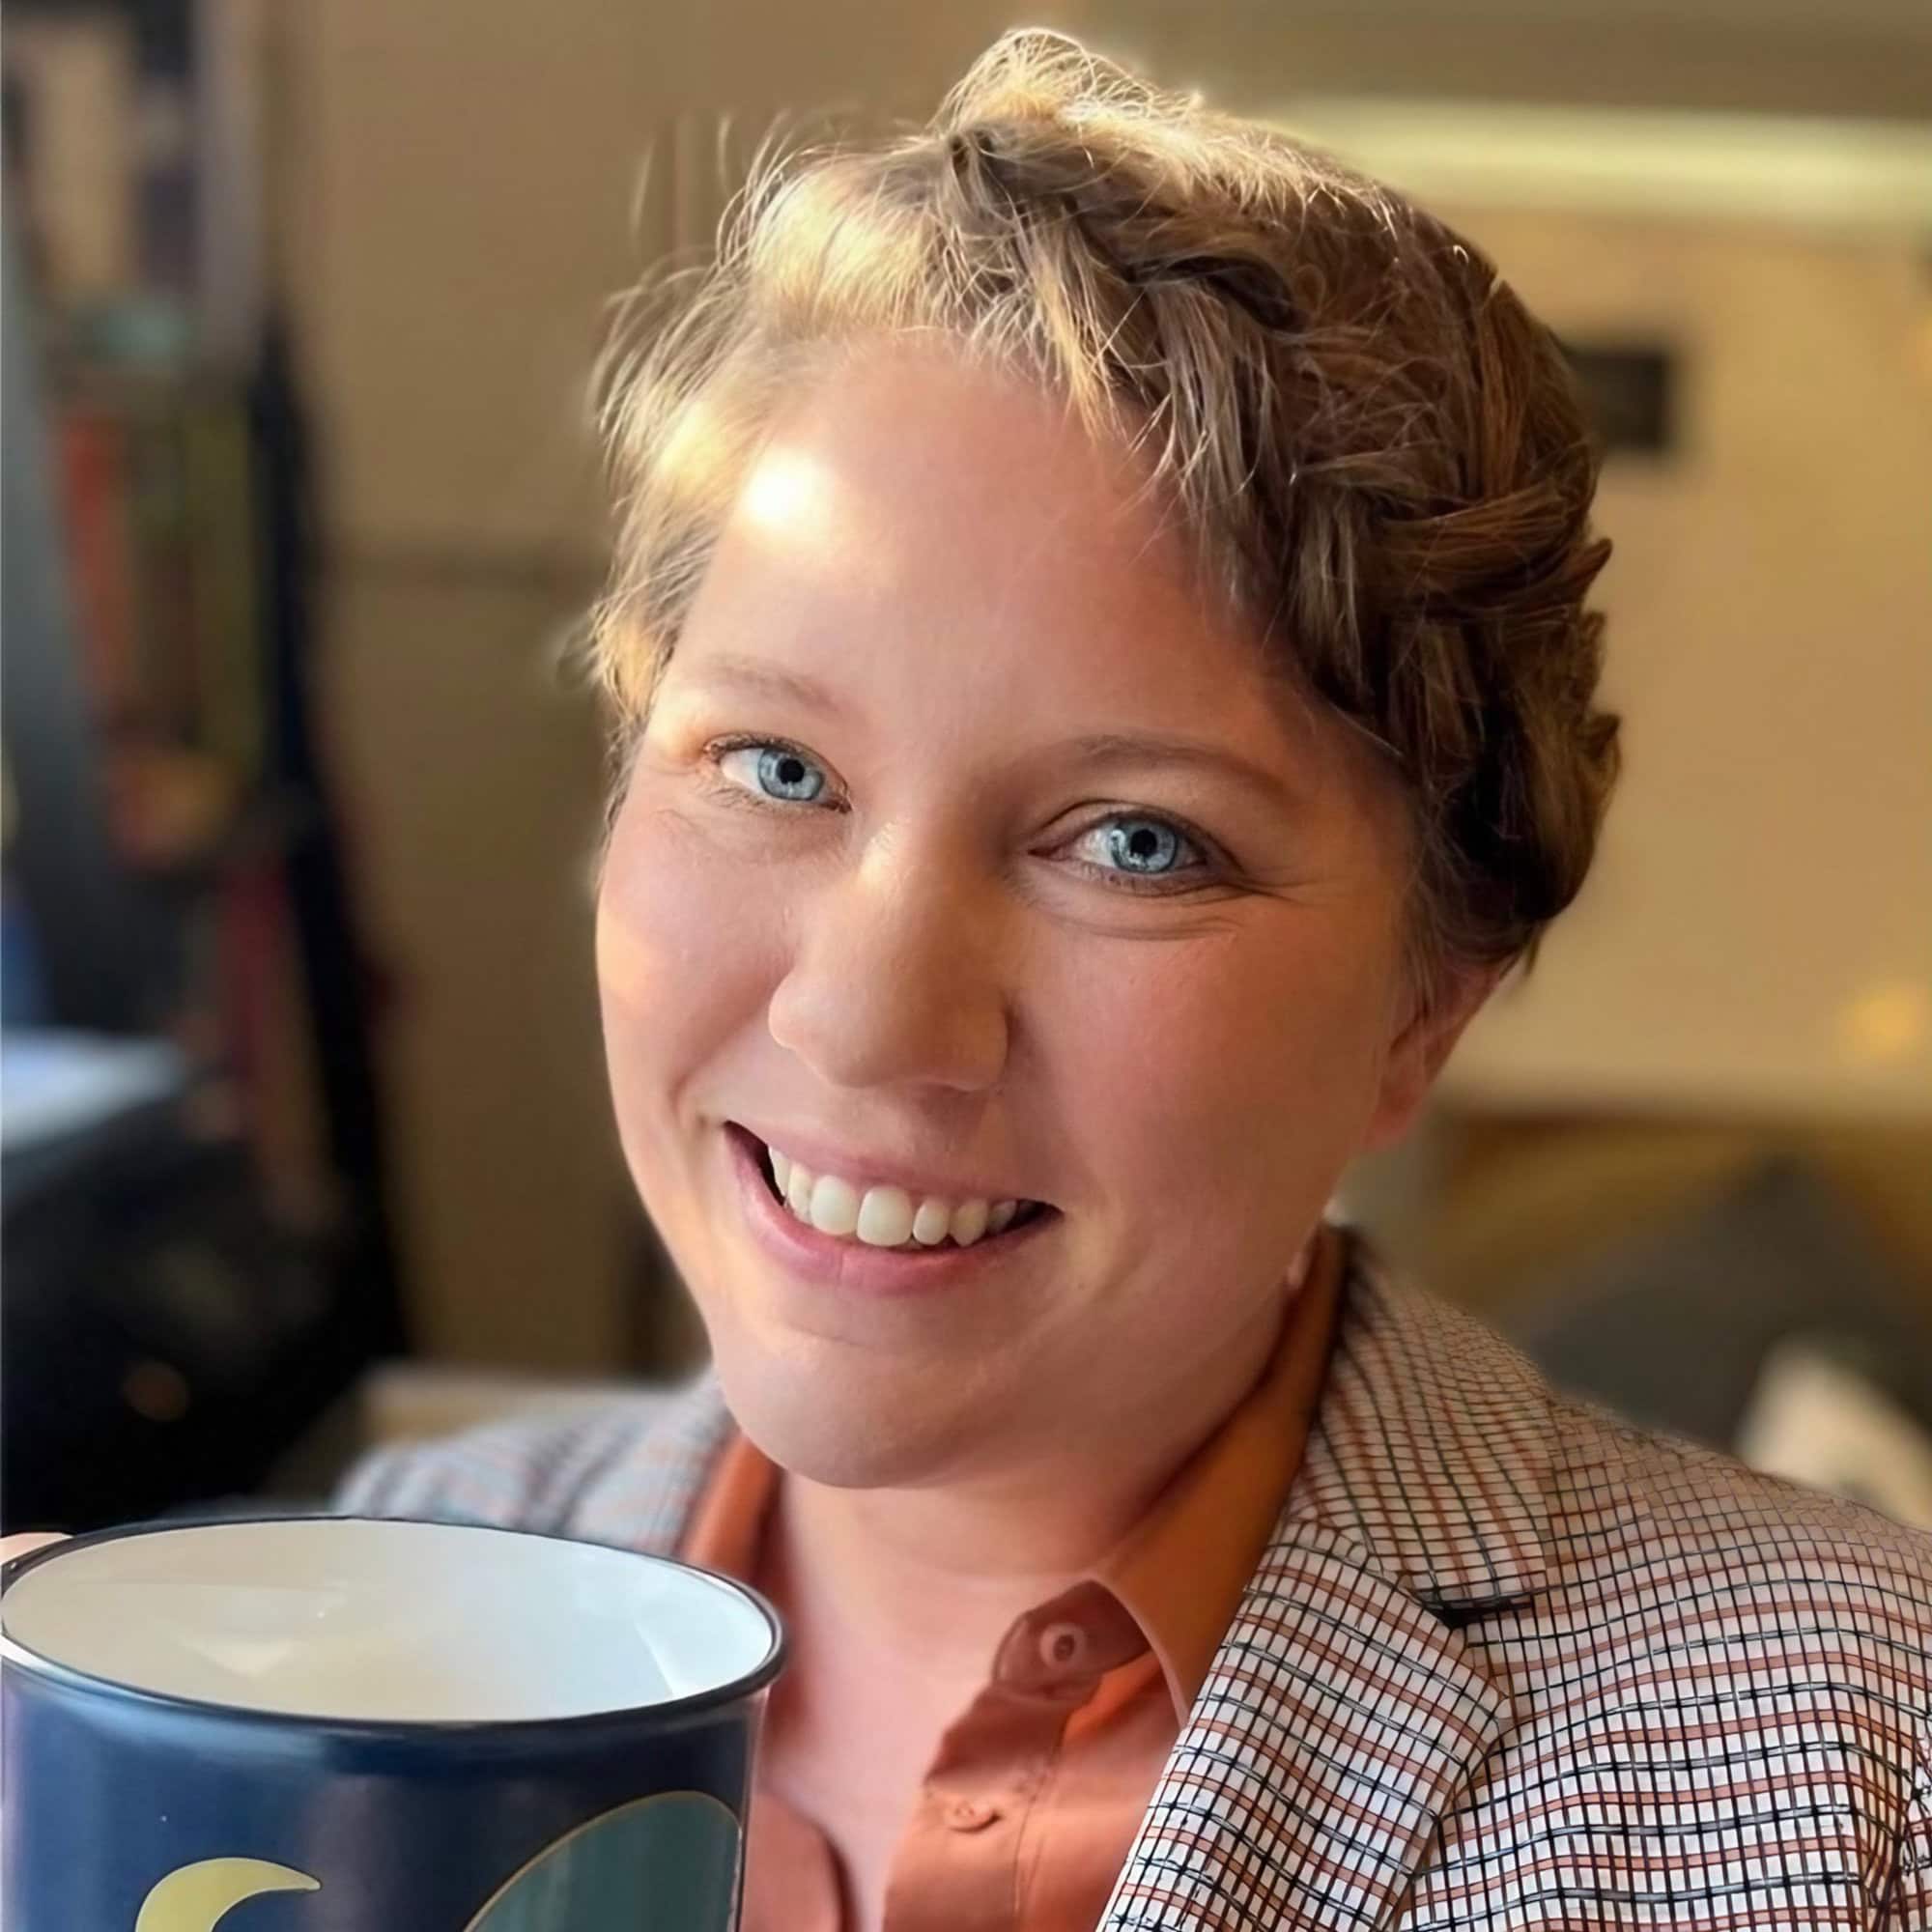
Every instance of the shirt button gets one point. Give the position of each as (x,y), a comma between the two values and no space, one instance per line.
(964,1814)
(1061,1646)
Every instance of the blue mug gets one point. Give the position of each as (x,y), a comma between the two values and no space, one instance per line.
(374,1726)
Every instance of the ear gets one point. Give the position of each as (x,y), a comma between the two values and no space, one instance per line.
(1423,1043)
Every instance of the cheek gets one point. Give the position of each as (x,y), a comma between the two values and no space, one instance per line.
(679,971)
(1242,1072)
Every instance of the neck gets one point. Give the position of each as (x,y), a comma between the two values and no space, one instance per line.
(872,1563)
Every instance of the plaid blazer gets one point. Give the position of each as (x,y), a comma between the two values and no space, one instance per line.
(1507,1662)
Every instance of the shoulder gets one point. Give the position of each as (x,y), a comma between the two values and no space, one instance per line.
(1618,1485)
(1650,1603)
(626,1471)
(1745,1588)
(1729,1636)
(1436,1398)
(1753,1657)
(1700,1543)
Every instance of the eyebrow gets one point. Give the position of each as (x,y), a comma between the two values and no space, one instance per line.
(773,680)
(1172,748)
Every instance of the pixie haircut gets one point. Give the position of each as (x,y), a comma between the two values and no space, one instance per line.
(1370,447)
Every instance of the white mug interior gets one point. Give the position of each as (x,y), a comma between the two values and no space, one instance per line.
(379,1622)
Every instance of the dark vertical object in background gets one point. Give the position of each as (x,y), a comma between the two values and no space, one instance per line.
(333,957)
(96,938)
(194,1275)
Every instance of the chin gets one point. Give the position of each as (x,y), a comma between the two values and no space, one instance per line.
(849,1431)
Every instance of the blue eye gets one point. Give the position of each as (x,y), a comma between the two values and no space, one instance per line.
(1137,847)
(778,772)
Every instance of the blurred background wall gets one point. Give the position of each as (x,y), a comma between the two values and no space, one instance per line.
(1724,207)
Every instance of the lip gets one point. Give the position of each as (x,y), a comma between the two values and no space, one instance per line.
(862,1170)
(802,1250)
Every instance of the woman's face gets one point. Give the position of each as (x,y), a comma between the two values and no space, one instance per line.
(968,849)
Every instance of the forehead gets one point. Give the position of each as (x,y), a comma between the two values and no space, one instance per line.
(912,514)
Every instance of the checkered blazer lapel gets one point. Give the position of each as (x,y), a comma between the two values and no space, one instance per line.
(1344,1714)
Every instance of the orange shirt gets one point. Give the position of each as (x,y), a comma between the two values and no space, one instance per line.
(1028,1810)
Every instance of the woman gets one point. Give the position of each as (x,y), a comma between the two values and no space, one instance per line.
(1104,692)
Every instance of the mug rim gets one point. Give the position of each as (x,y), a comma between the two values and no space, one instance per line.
(20,1656)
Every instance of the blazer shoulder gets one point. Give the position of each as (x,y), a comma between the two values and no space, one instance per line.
(1480,1481)
(625,1470)
(1687,1493)
(1700,1557)
(1448,1389)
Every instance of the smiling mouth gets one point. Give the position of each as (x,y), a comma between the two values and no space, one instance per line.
(884,1217)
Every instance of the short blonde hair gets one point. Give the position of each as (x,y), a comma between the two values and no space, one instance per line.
(1375,450)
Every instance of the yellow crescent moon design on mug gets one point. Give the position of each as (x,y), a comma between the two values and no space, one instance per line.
(198,1897)
(687,1842)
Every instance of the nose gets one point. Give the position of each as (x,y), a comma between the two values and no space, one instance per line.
(894,977)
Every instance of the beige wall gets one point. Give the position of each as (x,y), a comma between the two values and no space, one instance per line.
(1795,57)
(470,782)
(1758,931)
(472,189)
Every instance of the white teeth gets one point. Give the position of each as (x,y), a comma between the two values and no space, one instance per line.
(798,1191)
(969,1222)
(883,1216)
(835,1206)
(933,1223)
